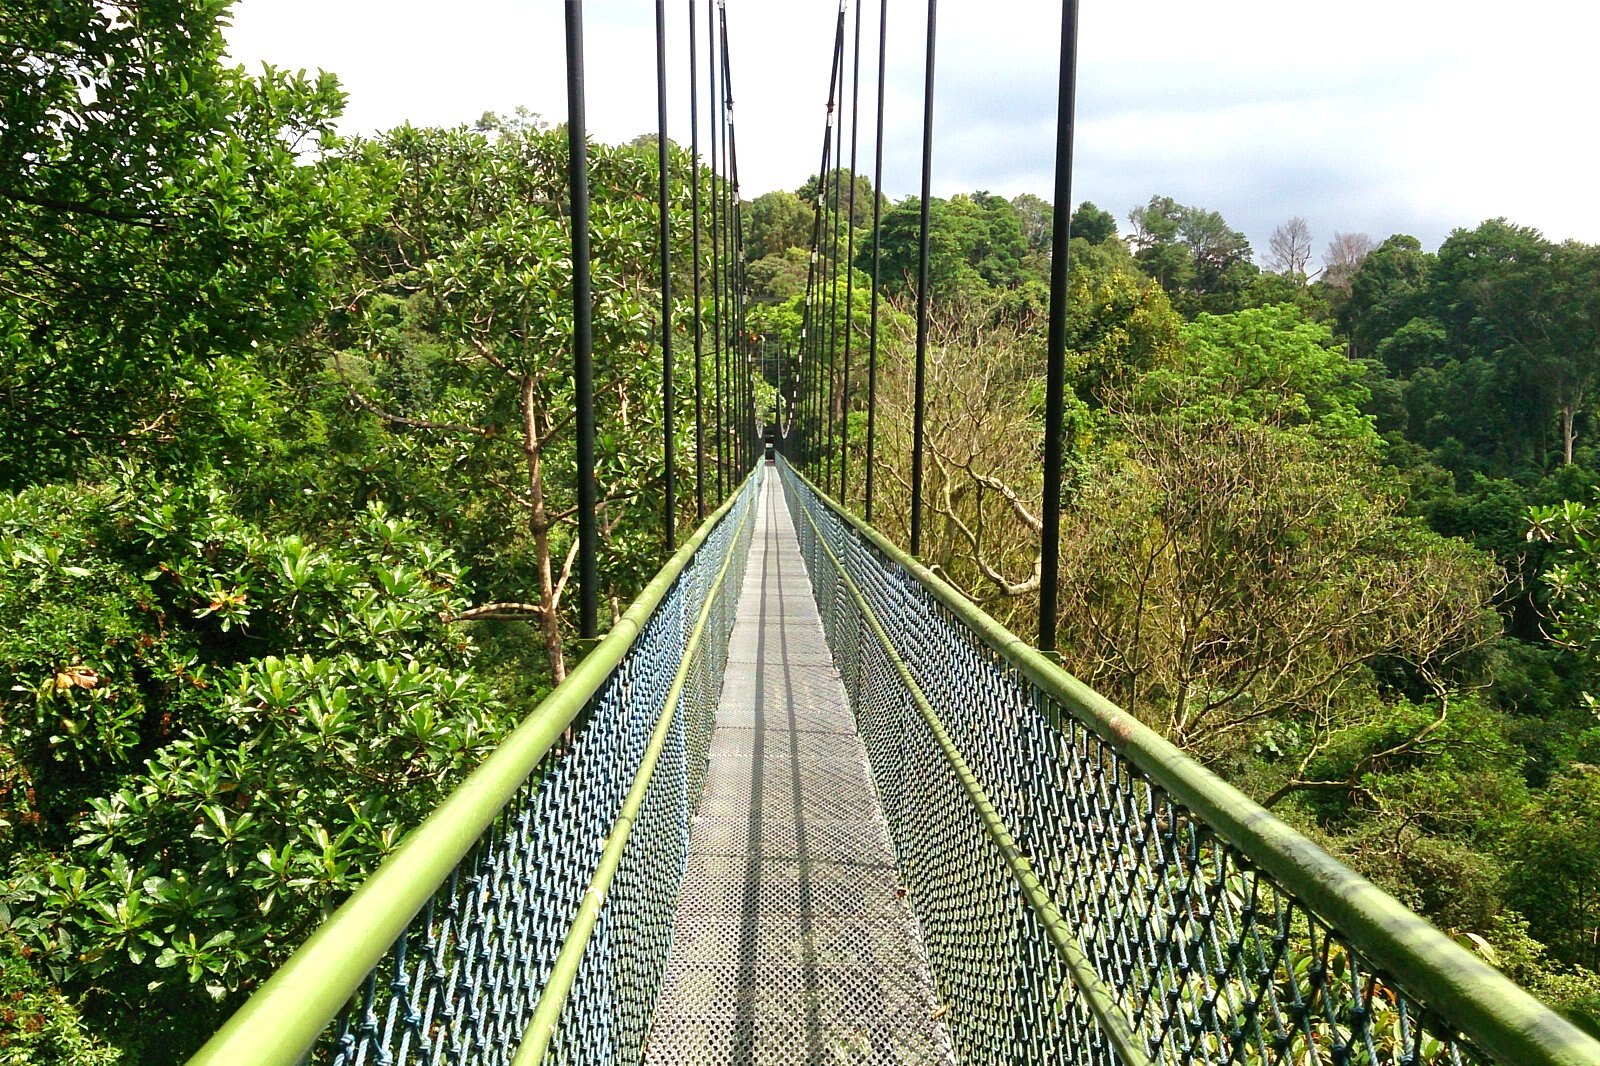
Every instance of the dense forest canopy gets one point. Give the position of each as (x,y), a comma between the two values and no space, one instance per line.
(287,501)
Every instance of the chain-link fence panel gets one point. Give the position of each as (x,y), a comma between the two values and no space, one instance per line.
(1187,944)
(462,984)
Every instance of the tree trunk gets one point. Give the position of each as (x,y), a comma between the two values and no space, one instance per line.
(1568,412)
(539,526)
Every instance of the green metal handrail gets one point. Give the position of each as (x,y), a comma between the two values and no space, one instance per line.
(542,1027)
(1468,994)
(281,1021)
(1100,1000)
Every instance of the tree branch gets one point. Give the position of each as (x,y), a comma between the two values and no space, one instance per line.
(506,611)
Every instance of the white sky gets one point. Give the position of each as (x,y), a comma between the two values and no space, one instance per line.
(1381,116)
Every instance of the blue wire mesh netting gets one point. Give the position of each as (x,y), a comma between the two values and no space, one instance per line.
(461,984)
(1208,958)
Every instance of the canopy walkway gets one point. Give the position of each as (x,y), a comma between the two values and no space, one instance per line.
(792,930)
(806,804)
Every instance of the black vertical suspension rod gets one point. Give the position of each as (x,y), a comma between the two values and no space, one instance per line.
(810,334)
(823,373)
(741,323)
(694,212)
(1056,340)
(730,307)
(918,401)
(828,338)
(670,505)
(582,324)
(730,304)
(833,294)
(716,260)
(850,265)
(807,328)
(877,218)
(730,340)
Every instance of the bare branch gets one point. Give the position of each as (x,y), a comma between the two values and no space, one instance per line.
(507,610)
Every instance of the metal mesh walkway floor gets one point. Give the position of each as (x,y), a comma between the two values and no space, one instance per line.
(792,941)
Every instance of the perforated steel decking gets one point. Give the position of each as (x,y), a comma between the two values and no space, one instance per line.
(793,942)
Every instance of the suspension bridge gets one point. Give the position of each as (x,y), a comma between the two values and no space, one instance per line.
(804,802)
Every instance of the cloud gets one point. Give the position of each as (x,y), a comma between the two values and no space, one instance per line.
(1371,115)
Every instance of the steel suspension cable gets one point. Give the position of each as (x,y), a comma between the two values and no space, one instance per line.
(670,504)
(919,399)
(729,309)
(694,213)
(828,335)
(1056,341)
(582,324)
(877,219)
(736,372)
(850,261)
(830,412)
(731,301)
(716,261)
(809,378)
(741,318)
(802,390)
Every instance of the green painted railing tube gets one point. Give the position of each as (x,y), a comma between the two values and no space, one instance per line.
(541,1028)
(1101,1002)
(1470,995)
(281,1021)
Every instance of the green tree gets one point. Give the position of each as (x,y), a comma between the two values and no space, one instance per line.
(1388,289)
(123,274)
(838,198)
(776,221)
(1512,296)
(975,244)
(1122,325)
(38,1025)
(240,731)
(1556,878)
(473,255)
(1093,224)
(1201,262)
(1036,217)
(778,277)
(1267,365)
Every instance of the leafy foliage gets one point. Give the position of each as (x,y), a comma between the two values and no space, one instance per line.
(1192,253)
(1266,365)
(285,439)
(295,706)
(38,1027)
(125,271)
(976,242)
